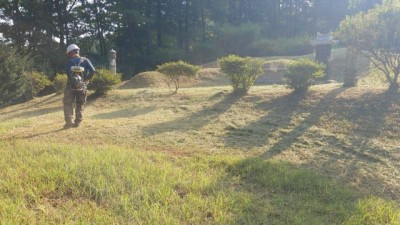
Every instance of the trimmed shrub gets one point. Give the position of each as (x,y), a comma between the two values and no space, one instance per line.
(301,74)
(37,82)
(14,69)
(175,70)
(103,81)
(242,72)
(60,82)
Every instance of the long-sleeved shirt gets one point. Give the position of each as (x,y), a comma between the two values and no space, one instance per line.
(86,64)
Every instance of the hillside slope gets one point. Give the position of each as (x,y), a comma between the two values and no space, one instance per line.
(349,134)
(210,75)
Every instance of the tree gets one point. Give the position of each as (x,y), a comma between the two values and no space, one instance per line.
(242,72)
(364,5)
(14,75)
(147,33)
(176,70)
(43,27)
(375,35)
(328,14)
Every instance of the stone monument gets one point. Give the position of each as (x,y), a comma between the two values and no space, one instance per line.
(323,48)
(112,61)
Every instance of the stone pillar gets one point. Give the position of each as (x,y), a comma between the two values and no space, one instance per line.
(350,76)
(112,61)
(323,55)
(323,48)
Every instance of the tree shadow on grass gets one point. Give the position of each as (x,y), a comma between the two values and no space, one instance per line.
(370,113)
(38,108)
(372,169)
(313,117)
(279,112)
(298,195)
(350,153)
(283,193)
(124,113)
(367,164)
(196,120)
(34,134)
(34,113)
(40,134)
(30,105)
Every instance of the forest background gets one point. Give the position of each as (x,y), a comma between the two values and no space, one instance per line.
(146,33)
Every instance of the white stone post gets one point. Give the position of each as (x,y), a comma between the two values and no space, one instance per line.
(112,63)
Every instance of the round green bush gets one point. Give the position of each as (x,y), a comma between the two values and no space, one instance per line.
(175,70)
(59,83)
(103,81)
(242,72)
(301,74)
(37,82)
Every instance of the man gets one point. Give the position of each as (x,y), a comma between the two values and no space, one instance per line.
(79,69)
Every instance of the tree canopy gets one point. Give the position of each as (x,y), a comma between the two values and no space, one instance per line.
(375,35)
(146,33)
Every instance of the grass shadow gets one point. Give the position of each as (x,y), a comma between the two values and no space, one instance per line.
(196,120)
(364,161)
(20,136)
(28,105)
(124,113)
(289,138)
(283,193)
(33,113)
(278,115)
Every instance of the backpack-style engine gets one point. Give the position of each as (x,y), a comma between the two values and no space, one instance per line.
(76,81)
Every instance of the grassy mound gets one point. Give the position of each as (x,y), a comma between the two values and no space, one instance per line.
(275,67)
(204,156)
(145,80)
(205,77)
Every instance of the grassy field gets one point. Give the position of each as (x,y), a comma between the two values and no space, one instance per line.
(204,156)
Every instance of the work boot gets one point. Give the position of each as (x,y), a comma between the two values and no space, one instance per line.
(68,125)
(76,124)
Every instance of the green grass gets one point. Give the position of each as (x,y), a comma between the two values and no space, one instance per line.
(375,211)
(13,124)
(63,184)
(104,185)
(204,156)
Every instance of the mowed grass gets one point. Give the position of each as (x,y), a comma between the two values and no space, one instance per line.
(204,156)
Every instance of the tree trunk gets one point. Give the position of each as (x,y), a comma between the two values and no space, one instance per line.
(148,25)
(186,28)
(159,24)
(60,18)
(394,85)
(203,21)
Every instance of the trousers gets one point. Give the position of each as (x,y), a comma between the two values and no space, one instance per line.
(71,97)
